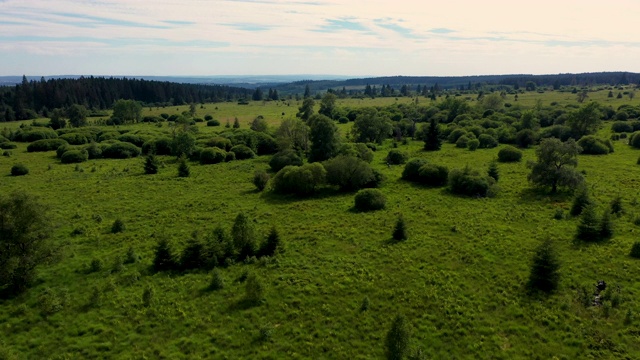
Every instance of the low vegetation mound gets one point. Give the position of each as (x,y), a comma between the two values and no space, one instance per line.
(370,200)
(45,145)
(121,150)
(470,182)
(509,154)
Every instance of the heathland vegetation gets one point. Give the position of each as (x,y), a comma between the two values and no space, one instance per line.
(497,221)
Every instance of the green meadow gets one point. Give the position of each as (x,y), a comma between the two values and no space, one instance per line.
(459,280)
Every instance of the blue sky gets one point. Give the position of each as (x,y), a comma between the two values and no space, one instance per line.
(355,38)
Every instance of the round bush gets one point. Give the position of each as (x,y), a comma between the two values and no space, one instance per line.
(635,250)
(299,180)
(455,135)
(212,156)
(370,200)
(525,138)
(487,141)
(621,126)
(29,135)
(473,144)
(634,140)
(19,170)
(469,182)
(108,135)
(94,151)
(7,146)
(433,175)
(231,156)
(45,145)
(76,138)
(74,156)
(284,158)
(509,154)
(243,152)
(593,146)
(265,144)
(219,142)
(463,141)
(121,150)
(411,170)
(213,123)
(130,138)
(397,157)
(207,117)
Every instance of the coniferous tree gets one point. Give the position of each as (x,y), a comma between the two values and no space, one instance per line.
(163,259)
(243,235)
(580,201)
(544,274)
(272,245)
(236,123)
(397,341)
(606,226)
(183,167)
(151,164)
(493,171)
(589,225)
(400,230)
(432,140)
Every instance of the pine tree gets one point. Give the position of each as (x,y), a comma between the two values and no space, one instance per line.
(544,269)
(580,201)
(271,246)
(493,171)
(163,259)
(183,167)
(397,342)
(217,282)
(589,227)
(236,123)
(400,230)
(151,164)
(243,236)
(606,226)
(432,140)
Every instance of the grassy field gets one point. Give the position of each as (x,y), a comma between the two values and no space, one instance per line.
(459,279)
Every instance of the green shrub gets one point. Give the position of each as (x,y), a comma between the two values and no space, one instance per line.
(621,127)
(397,157)
(411,170)
(19,170)
(31,135)
(589,225)
(487,141)
(121,150)
(299,180)
(45,145)
(400,230)
(455,135)
(260,179)
(117,226)
(74,156)
(7,146)
(580,201)
(231,156)
(265,144)
(557,131)
(6,153)
(254,290)
(285,158)
(473,144)
(433,175)
(94,151)
(348,172)
(193,255)
(509,154)
(219,142)
(76,138)
(634,140)
(183,167)
(544,275)
(525,138)
(470,183)
(217,282)
(212,156)
(243,152)
(132,139)
(592,145)
(213,123)
(108,135)
(163,259)
(463,141)
(370,200)
(397,340)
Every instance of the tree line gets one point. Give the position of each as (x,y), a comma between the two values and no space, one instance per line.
(32,99)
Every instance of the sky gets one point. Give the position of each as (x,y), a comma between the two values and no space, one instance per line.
(336,37)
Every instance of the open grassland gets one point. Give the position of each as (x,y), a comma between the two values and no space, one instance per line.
(459,279)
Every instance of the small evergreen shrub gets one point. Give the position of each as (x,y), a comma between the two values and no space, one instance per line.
(370,200)
(243,152)
(635,250)
(616,206)
(272,245)
(493,171)
(254,290)
(19,170)
(397,157)
(45,145)
(509,154)
(397,340)
(192,256)
(580,201)
(634,140)
(544,275)
(163,259)
(151,164)
(183,167)
(148,296)
(231,156)
(400,230)
(117,226)
(217,282)
(74,156)
(589,226)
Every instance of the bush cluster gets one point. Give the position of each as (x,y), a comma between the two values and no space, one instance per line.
(299,180)
(74,156)
(45,145)
(212,156)
(592,145)
(370,200)
(397,157)
(285,158)
(509,154)
(470,183)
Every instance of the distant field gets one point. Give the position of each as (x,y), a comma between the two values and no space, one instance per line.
(459,279)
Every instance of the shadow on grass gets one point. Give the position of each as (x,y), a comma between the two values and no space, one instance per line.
(274,198)
(529,195)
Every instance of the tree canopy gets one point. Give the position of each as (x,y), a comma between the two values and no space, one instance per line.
(556,164)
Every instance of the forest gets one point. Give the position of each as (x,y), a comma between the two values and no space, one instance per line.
(143,219)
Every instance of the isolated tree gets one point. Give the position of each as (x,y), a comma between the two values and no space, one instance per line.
(492,101)
(293,134)
(432,140)
(183,167)
(163,258)
(25,231)
(244,238)
(400,230)
(397,341)
(306,110)
(236,123)
(259,124)
(589,226)
(580,201)
(328,105)
(586,120)
(556,164)
(492,171)
(545,275)
(606,225)
(151,164)
(183,144)
(257,95)
(127,111)
(324,138)
(254,290)
(582,96)
(307,91)
(58,119)
(272,244)
(77,115)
